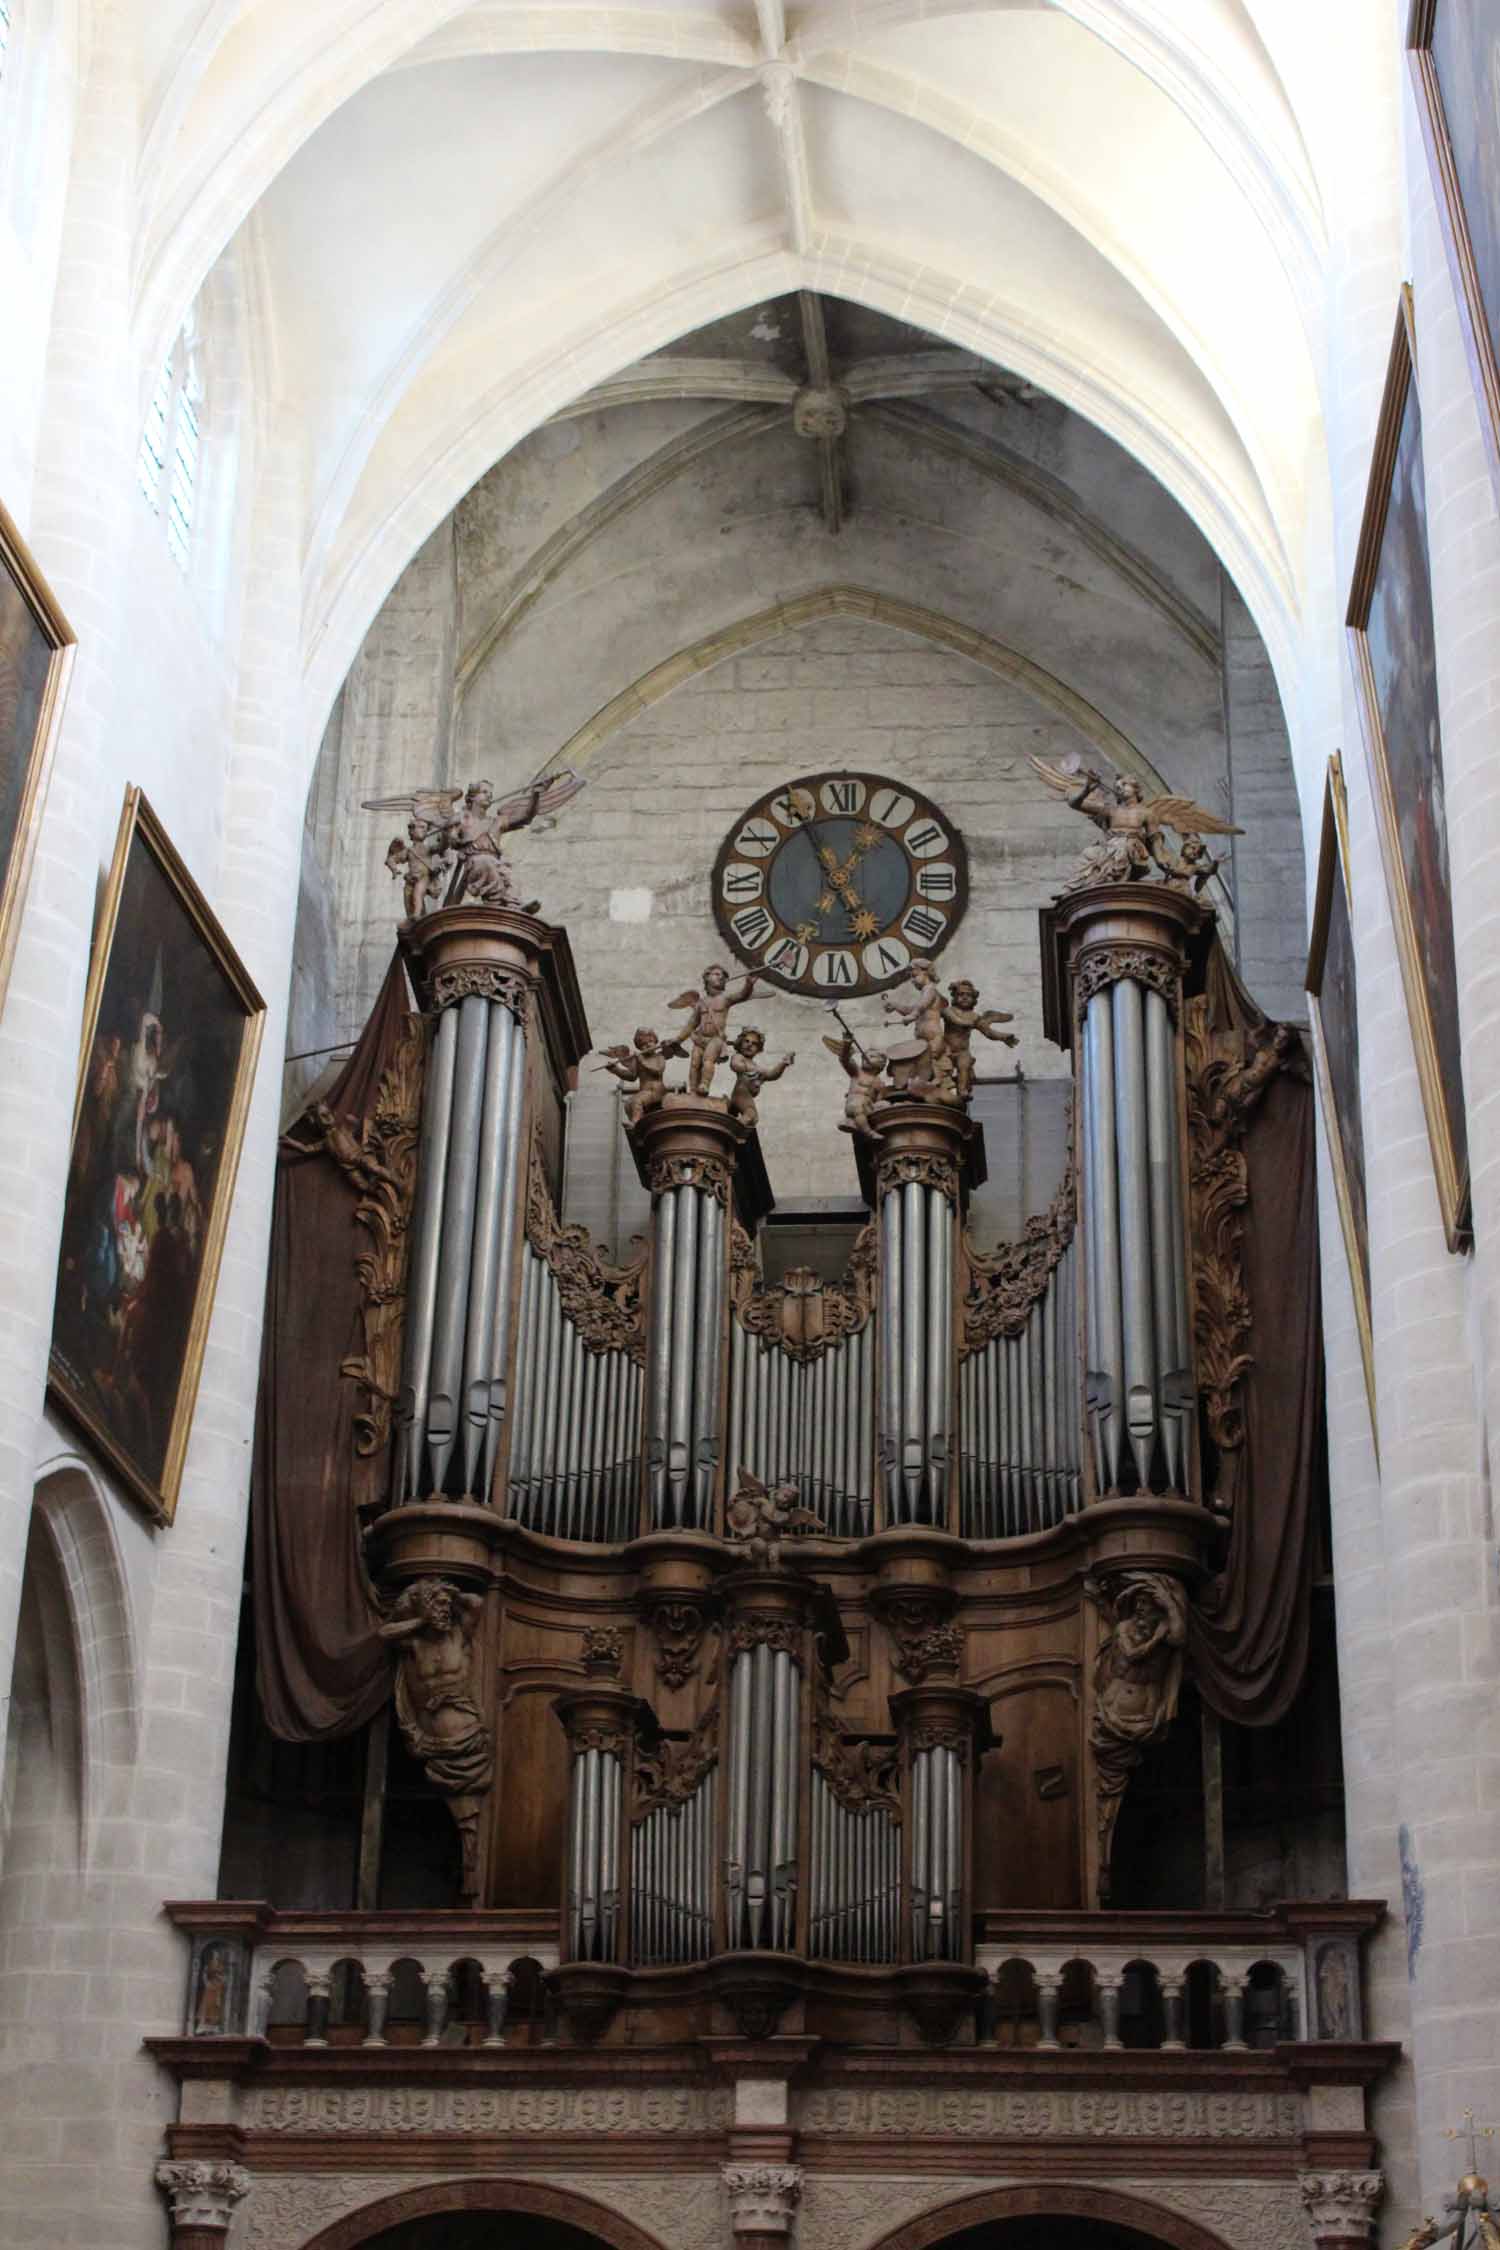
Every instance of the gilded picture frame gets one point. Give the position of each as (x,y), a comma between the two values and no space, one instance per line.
(1454,50)
(1392,644)
(37,647)
(1333,1005)
(171,1032)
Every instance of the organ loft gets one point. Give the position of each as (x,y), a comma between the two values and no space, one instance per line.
(796,1732)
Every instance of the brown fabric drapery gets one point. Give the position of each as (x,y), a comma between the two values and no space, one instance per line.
(321,1670)
(1248,1631)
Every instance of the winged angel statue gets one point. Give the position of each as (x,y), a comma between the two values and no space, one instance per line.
(452,849)
(1135,826)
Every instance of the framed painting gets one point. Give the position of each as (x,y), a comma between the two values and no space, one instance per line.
(1333,1003)
(1455,55)
(171,1028)
(1392,644)
(36,656)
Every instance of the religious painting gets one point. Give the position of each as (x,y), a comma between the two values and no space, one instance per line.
(1333,1002)
(171,1028)
(1455,51)
(1392,642)
(36,656)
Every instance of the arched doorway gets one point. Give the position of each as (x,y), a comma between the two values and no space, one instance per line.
(1050,2216)
(484,2215)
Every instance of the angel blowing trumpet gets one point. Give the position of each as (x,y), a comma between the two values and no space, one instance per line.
(452,848)
(1135,825)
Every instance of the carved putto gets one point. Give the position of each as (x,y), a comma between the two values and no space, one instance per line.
(750,1074)
(432,1625)
(1137,1680)
(865,1069)
(758,1517)
(707,1033)
(1134,845)
(452,847)
(642,1066)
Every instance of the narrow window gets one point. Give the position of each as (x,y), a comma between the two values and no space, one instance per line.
(171,443)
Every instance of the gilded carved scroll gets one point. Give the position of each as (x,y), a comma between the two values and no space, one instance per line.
(1227,1073)
(805,1314)
(378,1154)
(603,1301)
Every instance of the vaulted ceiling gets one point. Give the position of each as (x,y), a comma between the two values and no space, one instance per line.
(459,218)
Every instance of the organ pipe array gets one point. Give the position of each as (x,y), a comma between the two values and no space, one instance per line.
(1139,1388)
(762,1798)
(456,1346)
(593,1853)
(809,1423)
(1019,1402)
(937,1861)
(575,1441)
(917,1221)
(685,1355)
(856,1878)
(672,1850)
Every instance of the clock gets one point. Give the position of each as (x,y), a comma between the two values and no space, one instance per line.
(835,884)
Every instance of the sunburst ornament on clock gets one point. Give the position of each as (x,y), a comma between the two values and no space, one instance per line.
(835,883)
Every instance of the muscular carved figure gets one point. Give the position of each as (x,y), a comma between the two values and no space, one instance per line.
(433,1626)
(1137,1679)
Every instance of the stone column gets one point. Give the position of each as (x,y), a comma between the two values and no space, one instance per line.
(201,2195)
(1341,2207)
(763,2201)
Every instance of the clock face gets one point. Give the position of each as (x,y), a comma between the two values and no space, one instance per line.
(836,883)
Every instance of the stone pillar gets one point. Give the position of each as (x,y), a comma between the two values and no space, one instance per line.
(763,2201)
(1341,2207)
(201,2195)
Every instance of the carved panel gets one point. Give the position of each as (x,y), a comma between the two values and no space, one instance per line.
(378,1155)
(604,1301)
(805,1315)
(931,2112)
(408,2110)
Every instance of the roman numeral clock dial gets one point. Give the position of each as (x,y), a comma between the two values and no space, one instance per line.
(830,886)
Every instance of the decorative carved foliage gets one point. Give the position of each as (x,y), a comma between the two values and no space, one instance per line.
(711,1174)
(670,1772)
(603,1651)
(678,1626)
(603,1301)
(928,1167)
(465,979)
(757,1628)
(378,1154)
(922,1640)
(805,1315)
(862,1775)
(1103,965)
(1227,1073)
(1005,1283)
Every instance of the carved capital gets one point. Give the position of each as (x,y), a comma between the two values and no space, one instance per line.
(1341,2206)
(461,980)
(929,1167)
(1103,965)
(757,1628)
(710,1174)
(202,2194)
(762,2197)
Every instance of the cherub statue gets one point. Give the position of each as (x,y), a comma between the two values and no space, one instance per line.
(1192,867)
(708,1032)
(962,1020)
(750,1074)
(759,1517)
(421,865)
(642,1066)
(465,827)
(864,1067)
(923,1065)
(1132,822)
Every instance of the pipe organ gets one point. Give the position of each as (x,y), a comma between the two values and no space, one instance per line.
(774,1757)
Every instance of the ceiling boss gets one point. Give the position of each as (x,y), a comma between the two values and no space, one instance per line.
(835,883)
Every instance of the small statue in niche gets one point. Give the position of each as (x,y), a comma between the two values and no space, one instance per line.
(212,2001)
(1134,845)
(921,1066)
(864,1068)
(963,1019)
(433,1625)
(758,1517)
(708,1030)
(1332,1983)
(453,849)
(750,1074)
(1137,1680)
(642,1066)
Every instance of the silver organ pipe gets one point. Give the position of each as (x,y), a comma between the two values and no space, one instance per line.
(671,1874)
(1139,1382)
(594,1810)
(807,1422)
(855,1878)
(763,1795)
(452,1403)
(937,1814)
(576,1422)
(916,1326)
(1021,1419)
(685,1356)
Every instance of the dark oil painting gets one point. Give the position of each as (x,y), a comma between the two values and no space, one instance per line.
(36,653)
(1458,43)
(170,1039)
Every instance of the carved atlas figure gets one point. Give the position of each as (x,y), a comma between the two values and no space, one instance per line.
(453,849)
(1134,842)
